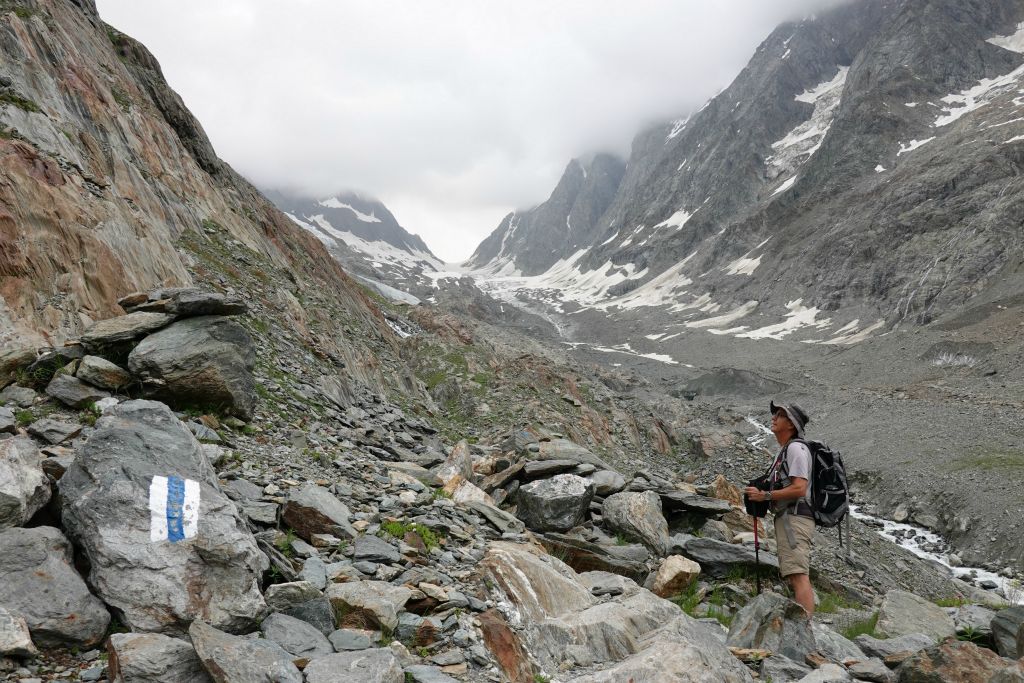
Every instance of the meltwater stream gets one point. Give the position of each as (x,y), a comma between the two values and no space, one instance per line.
(930,546)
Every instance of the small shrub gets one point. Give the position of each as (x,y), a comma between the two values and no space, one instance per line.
(440,493)
(950,602)
(972,635)
(829,603)
(121,97)
(394,528)
(689,600)
(24,417)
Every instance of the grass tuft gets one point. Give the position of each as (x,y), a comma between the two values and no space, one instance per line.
(859,628)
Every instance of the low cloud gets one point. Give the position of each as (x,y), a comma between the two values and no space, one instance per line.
(451,113)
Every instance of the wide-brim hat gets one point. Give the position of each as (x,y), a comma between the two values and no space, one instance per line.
(795,414)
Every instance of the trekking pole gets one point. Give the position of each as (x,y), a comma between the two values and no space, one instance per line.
(757,556)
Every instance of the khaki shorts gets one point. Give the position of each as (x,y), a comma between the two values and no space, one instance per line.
(794,560)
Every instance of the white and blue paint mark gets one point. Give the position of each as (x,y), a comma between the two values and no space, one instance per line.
(173,509)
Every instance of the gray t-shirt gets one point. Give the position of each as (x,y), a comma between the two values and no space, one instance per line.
(798,464)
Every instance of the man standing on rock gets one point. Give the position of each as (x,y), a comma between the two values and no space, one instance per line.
(789,496)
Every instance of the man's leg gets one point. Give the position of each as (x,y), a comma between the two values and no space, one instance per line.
(802,591)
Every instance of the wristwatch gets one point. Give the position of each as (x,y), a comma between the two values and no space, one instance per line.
(768,495)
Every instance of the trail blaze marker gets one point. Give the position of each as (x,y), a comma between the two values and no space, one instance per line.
(173,509)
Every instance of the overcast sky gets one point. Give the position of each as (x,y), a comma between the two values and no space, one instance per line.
(451,113)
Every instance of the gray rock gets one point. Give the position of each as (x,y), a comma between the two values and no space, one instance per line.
(773,622)
(73,392)
(902,613)
(315,510)
(153,658)
(1008,632)
(378,601)
(563,449)
(24,489)
(378,665)
(607,482)
(556,504)
(872,669)
(206,361)
(834,646)
(828,673)
(101,373)
(717,558)
(22,397)
(345,640)
(123,329)
(15,639)
(1011,674)
(717,530)
(683,500)
(260,512)
(243,489)
(422,673)
(779,669)
(583,556)
(54,431)
(186,302)
(638,515)
(884,647)
(374,549)
(283,596)
(40,584)
(160,585)
(538,469)
(503,521)
(296,636)
(975,619)
(315,572)
(8,423)
(231,659)
(317,612)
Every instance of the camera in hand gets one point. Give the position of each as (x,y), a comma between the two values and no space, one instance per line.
(757,508)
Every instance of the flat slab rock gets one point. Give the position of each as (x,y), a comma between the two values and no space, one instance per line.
(24,489)
(54,431)
(165,545)
(315,510)
(902,613)
(153,658)
(73,392)
(124,328)
(232,659)
(377,665)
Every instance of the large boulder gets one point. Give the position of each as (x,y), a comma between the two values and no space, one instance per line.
(39,584)
(24,489)
(887,647)
(773,622)
(902,613)
(951,660)
(718,558)
(376,665)
(1008,632)
(563,449)
(101,373)
(206,361)
(153,658)
(12,359)
(315,510)
(638,515)
(232,659)
(165,545)
(554,616)
(556,504)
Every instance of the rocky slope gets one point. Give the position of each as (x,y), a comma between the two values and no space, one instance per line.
(275,474)
(367,240)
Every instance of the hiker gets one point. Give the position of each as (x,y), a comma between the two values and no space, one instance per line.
(789,497)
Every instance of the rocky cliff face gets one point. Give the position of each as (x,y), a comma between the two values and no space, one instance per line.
(852,178)
(533,240)
(366,238)
(109,185)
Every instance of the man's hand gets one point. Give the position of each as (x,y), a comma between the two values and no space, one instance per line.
(754,494)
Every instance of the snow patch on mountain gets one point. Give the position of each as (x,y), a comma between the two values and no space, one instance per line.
(333,203)
(1013,42)
(978,96)
(676,220)
(799,316)
(800,144)
(377,252)
(912,145)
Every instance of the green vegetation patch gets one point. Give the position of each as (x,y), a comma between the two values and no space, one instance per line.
(992,460)
(859,628)
(398,530)
(121,97)
(829,602)
(18,101)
